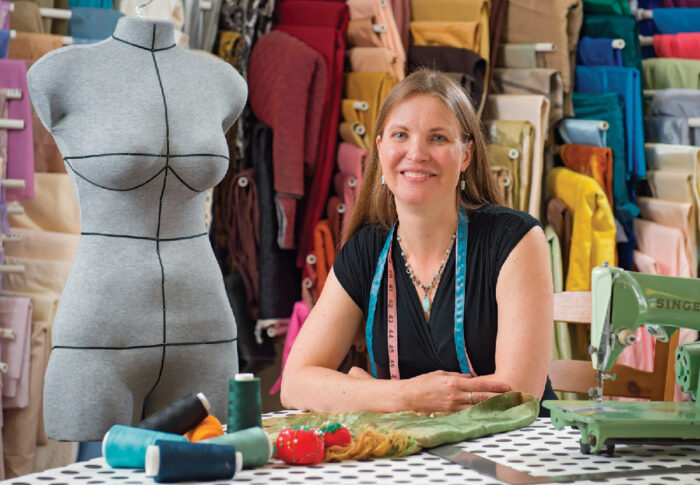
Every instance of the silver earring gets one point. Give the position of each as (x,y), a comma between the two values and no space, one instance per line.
(463,184)
(383,182)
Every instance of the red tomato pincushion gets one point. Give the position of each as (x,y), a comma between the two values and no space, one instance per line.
(336,435)
(299,446)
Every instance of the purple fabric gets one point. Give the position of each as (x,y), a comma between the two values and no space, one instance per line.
(20,143)
(4,15)
(4,43)
(16,315)
(680,3)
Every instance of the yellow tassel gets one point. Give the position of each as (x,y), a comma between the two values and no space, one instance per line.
(370,444)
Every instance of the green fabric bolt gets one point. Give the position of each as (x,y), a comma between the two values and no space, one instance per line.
(244,405)
(616,7)
(616,27)
(505,412)
(667,73)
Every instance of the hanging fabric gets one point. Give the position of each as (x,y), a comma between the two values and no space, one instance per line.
(616,27)
(668,112)
(546,82)
(584,132)
(666,73)
(463,35)
(93,24)
(618,7)
(676,20)
(592,161)
(26,18)
(31,47)
(683,45)
(560,219)
(598,52)
(370,87)
(376,59)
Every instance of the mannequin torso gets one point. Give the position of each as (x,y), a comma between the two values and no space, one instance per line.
(144,318)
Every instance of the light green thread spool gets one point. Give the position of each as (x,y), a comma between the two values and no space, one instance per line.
(253,443)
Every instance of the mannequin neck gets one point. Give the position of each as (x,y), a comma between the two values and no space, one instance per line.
(146,33)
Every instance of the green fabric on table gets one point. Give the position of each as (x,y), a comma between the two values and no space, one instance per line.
(667,73)
(505,412)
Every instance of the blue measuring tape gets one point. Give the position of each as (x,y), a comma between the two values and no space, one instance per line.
(460,290)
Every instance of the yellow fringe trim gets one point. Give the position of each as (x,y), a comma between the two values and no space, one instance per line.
(370,444)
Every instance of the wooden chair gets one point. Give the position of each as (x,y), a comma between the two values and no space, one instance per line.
(578,375)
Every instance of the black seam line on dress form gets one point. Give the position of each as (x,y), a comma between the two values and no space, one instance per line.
(112,188)
(144,238)
(160,213)
(155,155)
(185,183)
(151,49)
(136,347)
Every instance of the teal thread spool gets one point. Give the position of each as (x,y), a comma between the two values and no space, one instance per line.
(244,407)
(125,447)
(254,444)
(169,461)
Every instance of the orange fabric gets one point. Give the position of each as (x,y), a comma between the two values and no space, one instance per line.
(324,250)
(685,45)
(593,161)
(30,46)
(209,427)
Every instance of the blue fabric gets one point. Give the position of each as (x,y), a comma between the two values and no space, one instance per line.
(608,107)
(582,132)
(92,23)
(4,43)
(616,27)
(81,40)
(675,20)
(625,82)
(107,4)
(598,52)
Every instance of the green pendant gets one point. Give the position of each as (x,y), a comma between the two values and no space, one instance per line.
(426,303)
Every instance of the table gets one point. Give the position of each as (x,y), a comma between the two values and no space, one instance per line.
(538,449)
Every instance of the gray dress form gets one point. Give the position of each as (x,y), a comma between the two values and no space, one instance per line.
(144,318)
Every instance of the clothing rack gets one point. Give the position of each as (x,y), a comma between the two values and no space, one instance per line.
(13,94)
(11,124)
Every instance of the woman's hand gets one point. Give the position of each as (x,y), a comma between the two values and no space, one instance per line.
(448,391)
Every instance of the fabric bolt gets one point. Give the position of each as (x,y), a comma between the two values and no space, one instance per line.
(535,110)
(557,22)
(346,188)
(16,315)
(201,25)
(26,18)
(681,45)
(315,13)
(402,17)
(451,59)
(31,47)
(361,9)
(593,230)
(583,132)
(288,82)
(55,207)
(370,87)
(4,43)
(519,135)
(93,23)
(470,84)
(625,82)
(360,34)
(504,182)
(299,315)
(561,348)
(245,234)
(618,7)
(679,215)
(668,112)
(20,148)
(616,27)
(595,162)
(4,15)
(376,59)
(170,10)
(676,20)
(667,73)
(350,133)
(335,211)
(355,111)
(463,35)
(351,161)
(324,250)
(107,4)
(672,186)
(561,219)
(456,11)
(598,52)
(609,107)
(390,34)
(520,56)
(496,20)
(47,157)
(508,157)
(680,3)
(279,277)
(546,82)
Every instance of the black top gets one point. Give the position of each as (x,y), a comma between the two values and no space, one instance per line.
(493,233)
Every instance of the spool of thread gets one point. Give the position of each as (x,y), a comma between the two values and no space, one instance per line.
(125,446)
(254,444)
(244,407)
(180,416)
(169,461)
(210,427)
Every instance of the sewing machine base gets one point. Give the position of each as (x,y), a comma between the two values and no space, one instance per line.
(604,424)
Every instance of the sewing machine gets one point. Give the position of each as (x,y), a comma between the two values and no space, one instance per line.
(621,302)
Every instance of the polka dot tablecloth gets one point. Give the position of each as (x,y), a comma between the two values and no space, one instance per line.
(538,449)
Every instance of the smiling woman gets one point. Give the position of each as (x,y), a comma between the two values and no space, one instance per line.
(452,291)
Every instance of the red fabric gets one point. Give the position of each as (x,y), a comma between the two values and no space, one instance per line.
(679,46)
(287,81)
(317,13)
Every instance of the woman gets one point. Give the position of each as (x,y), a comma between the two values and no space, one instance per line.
(467,324)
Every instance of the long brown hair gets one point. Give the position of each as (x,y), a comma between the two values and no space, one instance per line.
(375,202)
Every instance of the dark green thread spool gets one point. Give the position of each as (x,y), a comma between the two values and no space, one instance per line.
(244,407)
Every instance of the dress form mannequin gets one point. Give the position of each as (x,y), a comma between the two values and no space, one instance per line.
(144,318)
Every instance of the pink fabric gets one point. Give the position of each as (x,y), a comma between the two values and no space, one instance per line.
(666,246)
(16,315)
(20,143)
(346,188)
(685,45)
(351,161)
(299,314)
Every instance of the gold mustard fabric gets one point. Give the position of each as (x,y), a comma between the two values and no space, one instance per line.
(463,35)
(370,87)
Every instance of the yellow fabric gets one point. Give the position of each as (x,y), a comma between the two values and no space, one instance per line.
(463,35)
(593,233)
(54,207)
(456,11)
(371,87)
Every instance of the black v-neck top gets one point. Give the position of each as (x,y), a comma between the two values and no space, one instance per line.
(493,233)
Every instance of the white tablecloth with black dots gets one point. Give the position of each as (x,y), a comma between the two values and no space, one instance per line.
(538,449)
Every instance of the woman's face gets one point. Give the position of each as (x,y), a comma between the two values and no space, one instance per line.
(421,151)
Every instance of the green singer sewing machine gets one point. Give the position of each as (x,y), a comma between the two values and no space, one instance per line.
(622,301)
